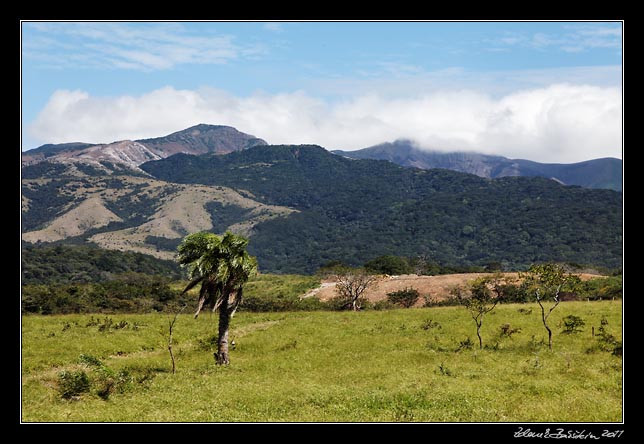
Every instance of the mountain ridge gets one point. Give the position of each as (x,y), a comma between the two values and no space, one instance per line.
(594,173)
(197,139)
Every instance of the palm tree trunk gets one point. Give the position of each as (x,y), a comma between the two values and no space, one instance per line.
(224,324)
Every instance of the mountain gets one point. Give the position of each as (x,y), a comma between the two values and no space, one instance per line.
(597,173)
(355,210)
(201,139)
(303,206)
(127,154)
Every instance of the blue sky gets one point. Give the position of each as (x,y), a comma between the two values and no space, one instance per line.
(548,91)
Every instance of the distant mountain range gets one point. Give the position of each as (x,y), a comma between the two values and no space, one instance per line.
(199,139)
(303,206)
(596,173)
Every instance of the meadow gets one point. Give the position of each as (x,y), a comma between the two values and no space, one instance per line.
(402,365)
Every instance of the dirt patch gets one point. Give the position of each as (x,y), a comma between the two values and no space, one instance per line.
(434,287)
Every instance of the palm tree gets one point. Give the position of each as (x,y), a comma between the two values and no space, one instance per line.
(222,265)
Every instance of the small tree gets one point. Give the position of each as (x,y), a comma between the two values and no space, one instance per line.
(546,282)
(351,283)
(480,297)
(405,298)
(392,265)
(573,324)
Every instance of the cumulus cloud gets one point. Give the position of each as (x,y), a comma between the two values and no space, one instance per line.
(558,123)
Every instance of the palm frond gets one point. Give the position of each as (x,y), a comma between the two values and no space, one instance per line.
(192,284)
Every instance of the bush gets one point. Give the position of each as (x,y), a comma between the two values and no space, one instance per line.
(89,360)
(404,298)
(508,331)
(392,265)
(277,303)
(572,324)
(383,304)
(72,383)
(429,324)
(602,288)
(340,303)
(465,344)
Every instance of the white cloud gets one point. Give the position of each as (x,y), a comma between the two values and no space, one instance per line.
(273,27)
(558,123)
(146,47)
(575,38)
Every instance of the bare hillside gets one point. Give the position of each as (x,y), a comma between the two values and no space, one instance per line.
(433,287)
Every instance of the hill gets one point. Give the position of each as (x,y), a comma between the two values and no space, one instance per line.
(129,212)
(355,210)
(596,173)
(67,264)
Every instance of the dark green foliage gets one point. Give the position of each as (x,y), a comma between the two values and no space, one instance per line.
(572,324)
(601,288)
(606,340)
(102,380)
(163,243)
(42,169)
(513,293)
(89,360)
(388,264)
(465,344)
(384,304)
(281,303)
(45,203)
(404,298)
(223,216)
(81,264)
(350,210)
(72,383)
(129,292)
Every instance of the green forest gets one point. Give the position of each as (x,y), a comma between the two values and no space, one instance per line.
(356,210)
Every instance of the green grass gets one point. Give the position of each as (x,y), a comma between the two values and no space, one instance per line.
(378,366)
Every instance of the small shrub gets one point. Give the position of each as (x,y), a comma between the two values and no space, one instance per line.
(572,324)
(508,331)
(89,360)
(405,298)
(533,365)
(105,326)
(383,305)
(340,303)
(447,302)
(608,342)
(288,346)
(428,324)
(122,324)
(108,382)
(444,370)
(207,344)
(465,344)
(525,311)
(72,384)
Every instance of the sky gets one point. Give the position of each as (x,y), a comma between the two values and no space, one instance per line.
(544,91)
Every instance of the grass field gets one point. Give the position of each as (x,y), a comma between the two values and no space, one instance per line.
(371,366)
